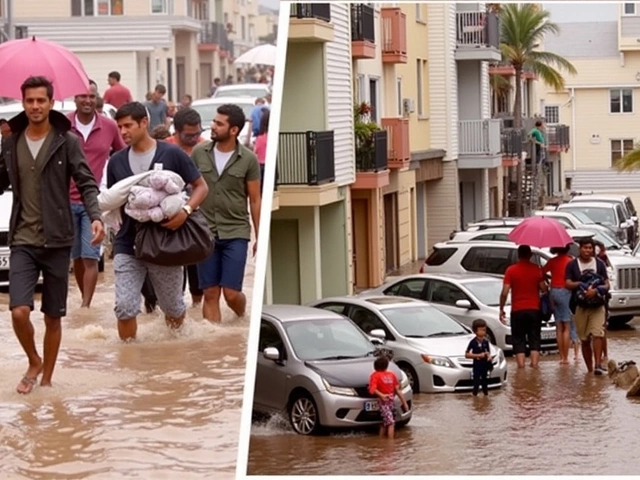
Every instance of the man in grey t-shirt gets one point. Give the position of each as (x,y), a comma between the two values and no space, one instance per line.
(157,107)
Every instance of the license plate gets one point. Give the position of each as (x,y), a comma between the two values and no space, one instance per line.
(371,406)
(548,335)
(4,262)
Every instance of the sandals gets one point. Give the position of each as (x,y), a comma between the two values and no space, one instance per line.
(29,383)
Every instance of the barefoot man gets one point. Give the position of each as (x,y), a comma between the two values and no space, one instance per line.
(232,172)
(41,157)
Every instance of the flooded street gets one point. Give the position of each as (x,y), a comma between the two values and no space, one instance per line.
(167,406)
(554,421)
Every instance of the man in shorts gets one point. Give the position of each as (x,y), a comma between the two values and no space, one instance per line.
(145,153)
(591,314)
(525,281)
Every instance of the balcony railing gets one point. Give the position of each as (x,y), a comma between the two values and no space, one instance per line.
(478,29)
(305,158)
(558,137)
(479,137)
(398,150)
(371,153)
(512,140)
(321,11)
(362,23)
(394,35)
(212,33)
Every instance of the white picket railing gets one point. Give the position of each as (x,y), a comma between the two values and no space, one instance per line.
(479,137)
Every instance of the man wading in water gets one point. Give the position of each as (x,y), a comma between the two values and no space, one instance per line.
(39,160)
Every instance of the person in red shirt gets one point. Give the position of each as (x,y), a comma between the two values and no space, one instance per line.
(117,94)
(525,281)
(560,299)
(384,384)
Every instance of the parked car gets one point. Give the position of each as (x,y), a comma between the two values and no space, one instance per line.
(208,107)
(494,258)
(465,297)
(427,344)
(249,90)
(314,365)
(574,220)
(609,214)
(493,223)
(622,200)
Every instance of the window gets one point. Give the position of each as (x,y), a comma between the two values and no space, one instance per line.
(412,288)
(619,148)
(419,12)
(421,69)
(361,90)
(162,6)
(243,27)
(399,89)
(373,99)
(270,337)
(488,260)
(333,307)
(440,255)
(90,8)
(552,114)
(446,293)
(366,321)
(629,8)
(621,100)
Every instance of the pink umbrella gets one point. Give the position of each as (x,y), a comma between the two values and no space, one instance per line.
(540,232)
(20,59)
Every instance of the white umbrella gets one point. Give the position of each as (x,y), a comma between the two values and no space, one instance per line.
(260,55)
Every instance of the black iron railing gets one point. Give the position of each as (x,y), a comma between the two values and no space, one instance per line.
(512,142)
(213,33)
(305,158)
(371,153)
(476,29)
(558,136)
(321,11)
(362,23)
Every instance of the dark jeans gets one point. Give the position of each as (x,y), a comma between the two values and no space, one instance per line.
(525,330)
(480,374)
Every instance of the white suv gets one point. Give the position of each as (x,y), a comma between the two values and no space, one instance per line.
(494,257)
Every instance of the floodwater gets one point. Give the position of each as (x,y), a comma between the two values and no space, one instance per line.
(553,421)
(167,406)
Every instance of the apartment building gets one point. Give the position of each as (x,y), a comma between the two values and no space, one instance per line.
(599,103)
(267,24)
(216,48)
(310,241)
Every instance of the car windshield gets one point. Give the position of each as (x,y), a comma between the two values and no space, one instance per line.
(423,321)
(208,111)
(487,292)
(241,92)
(580,216)
(599,215)
(327,339)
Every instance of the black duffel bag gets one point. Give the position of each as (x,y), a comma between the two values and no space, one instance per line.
(188,245)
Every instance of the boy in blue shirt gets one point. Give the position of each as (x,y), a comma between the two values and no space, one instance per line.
(479,351)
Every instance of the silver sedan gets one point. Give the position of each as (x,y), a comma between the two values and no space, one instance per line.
(428,345)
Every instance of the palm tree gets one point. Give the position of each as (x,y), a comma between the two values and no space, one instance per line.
(523,28)
(629,162)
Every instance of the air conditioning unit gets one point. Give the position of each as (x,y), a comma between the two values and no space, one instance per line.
(21,31)
(408,106)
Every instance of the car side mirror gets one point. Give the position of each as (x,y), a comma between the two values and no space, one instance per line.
(378,334)
(271,353)
(463,304)
(634,219)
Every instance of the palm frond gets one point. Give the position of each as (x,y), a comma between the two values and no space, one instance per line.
(630,162)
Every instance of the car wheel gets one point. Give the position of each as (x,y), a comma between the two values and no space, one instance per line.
(620,320)
(411,375)
(303,415)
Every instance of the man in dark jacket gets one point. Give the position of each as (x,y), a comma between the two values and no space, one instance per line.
(40,158)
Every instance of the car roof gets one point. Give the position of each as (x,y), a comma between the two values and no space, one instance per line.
(240,86)
(374,300)
(476,243)
(223,100)
(292,313)
(594,204)
(596,196)
(461,277)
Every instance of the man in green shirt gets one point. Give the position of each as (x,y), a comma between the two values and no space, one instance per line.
(232,173)
(538,139)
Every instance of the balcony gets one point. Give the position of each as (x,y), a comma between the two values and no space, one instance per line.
(558,138)
(477,36)
(479,143)
(398,150)
(305,158)
(212,37)
(506,70)
(394,35)
(512,142)
(310,22)
(363,39)
(372,162)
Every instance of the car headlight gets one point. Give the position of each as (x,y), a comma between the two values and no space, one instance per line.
(349,392)
(438,361)
(404,381)
(500,356)
(612,275)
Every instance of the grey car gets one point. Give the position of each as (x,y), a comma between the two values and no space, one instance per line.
(465,297)
(314,365)
(427,344)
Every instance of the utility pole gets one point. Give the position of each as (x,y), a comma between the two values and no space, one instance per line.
(10,33)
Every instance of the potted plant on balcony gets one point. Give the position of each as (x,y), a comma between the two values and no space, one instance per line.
(364,129)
